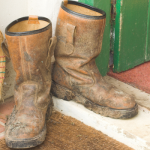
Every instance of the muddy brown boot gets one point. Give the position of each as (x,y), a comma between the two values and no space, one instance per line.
(30,45)
(75,76)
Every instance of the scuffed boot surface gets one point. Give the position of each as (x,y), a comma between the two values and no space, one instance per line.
(30,44)
(26,126)
(67,133)
(66,94)
(75,74)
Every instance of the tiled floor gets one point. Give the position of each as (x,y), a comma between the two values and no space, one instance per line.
(138,77)
(5,111)
(133,132)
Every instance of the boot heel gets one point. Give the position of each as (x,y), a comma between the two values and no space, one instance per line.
(49,109)
(62,92)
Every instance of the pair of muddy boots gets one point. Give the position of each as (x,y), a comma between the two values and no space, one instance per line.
(75,76)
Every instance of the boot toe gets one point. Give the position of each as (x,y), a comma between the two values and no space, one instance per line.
(22,136)
(19,130)
(120,100)
(16,139)
(23,133)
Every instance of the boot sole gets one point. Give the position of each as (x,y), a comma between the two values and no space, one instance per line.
(27,143)
(32,142)
(68,95)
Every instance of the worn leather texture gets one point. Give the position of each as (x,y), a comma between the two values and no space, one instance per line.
(79,43)
(31,59)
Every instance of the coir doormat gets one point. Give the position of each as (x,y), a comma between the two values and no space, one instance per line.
(66,133)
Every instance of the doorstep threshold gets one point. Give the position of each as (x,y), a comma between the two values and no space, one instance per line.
(141,97)
(134,132)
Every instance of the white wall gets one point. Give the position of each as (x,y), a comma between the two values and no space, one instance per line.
(10,10)
(45,8)
(13,9)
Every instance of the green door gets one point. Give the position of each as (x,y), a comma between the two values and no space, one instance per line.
(103,59)
(131,46)
(130,34)
(148,35)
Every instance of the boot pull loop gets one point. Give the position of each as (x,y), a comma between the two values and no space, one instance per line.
(65,3)
(5,48)
(70,38)
(33,20)
(70,33)
(52,45)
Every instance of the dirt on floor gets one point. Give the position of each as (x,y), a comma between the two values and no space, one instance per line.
(67,133)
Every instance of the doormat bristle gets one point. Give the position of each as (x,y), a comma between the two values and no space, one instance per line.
(66,133)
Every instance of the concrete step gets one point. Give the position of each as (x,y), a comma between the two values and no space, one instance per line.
(134,132)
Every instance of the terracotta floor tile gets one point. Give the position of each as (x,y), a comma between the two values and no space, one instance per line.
(138,77)
(2,128)
(5,111)
(6,108)
(3,121)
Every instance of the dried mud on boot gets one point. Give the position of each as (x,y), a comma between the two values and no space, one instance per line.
(68,95)
(67,133)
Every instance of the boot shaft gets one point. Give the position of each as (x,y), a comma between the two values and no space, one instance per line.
(28,45)
(79,30)
(76,77)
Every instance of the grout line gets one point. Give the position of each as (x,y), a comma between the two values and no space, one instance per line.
(1,123)
(2,135)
